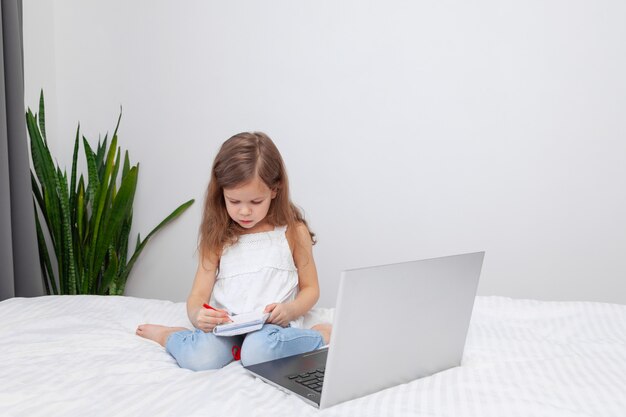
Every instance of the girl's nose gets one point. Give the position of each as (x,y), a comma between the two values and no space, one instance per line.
(245,211)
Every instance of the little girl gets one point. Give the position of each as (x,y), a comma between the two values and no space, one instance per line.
(255,254)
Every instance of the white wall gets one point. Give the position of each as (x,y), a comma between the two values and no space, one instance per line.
(410,129)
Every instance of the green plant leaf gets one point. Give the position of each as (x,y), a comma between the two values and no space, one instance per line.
(109,273)
(122,243)
(93,184)
(101,152)
(113,179)
(67,243)
(36,192)
(46,175)
(51,207)
(42,161)
(42,118)
(80,210)
(101,196)
(81,235)
(44,259)
(117,125)
(93,189)
(126,164)
(121,206)
(73,177)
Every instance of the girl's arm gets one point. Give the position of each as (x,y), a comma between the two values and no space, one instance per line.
(203,318)
(309,289)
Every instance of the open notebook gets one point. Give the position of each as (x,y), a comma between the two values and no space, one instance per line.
(242,323)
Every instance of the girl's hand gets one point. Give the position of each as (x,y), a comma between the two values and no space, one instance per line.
(207,318)
(280,314)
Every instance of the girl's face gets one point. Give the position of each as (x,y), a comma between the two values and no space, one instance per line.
(249,203)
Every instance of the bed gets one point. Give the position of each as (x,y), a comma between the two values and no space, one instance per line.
(79,356)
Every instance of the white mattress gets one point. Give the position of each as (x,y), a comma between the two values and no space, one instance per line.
(79,356)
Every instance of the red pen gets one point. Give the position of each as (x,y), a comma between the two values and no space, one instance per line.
(205,305)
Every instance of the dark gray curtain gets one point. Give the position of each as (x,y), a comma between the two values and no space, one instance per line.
(20,275)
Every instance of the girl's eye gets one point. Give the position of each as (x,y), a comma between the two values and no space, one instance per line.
(233,202)
(257,202)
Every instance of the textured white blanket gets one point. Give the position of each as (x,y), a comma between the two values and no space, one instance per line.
(79,356)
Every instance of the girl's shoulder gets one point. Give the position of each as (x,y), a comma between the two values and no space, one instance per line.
(301,229)
(298,234)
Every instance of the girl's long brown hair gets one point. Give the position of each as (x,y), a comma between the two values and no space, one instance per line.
(239,160)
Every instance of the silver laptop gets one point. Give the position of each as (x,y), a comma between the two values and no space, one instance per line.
(392,324)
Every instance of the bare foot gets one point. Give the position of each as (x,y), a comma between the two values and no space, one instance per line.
(325,329)
(156,332)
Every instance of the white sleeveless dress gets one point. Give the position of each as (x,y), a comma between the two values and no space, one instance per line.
(256,271)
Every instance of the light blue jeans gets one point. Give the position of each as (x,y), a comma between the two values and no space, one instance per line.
(199,351)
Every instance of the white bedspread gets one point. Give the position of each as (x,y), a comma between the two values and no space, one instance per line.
(79,356)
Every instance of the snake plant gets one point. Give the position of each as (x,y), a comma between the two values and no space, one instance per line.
(88,222)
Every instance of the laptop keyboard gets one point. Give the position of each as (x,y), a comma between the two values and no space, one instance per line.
(312,379)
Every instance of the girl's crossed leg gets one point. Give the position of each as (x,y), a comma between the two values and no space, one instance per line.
(274,342)
(193,349)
